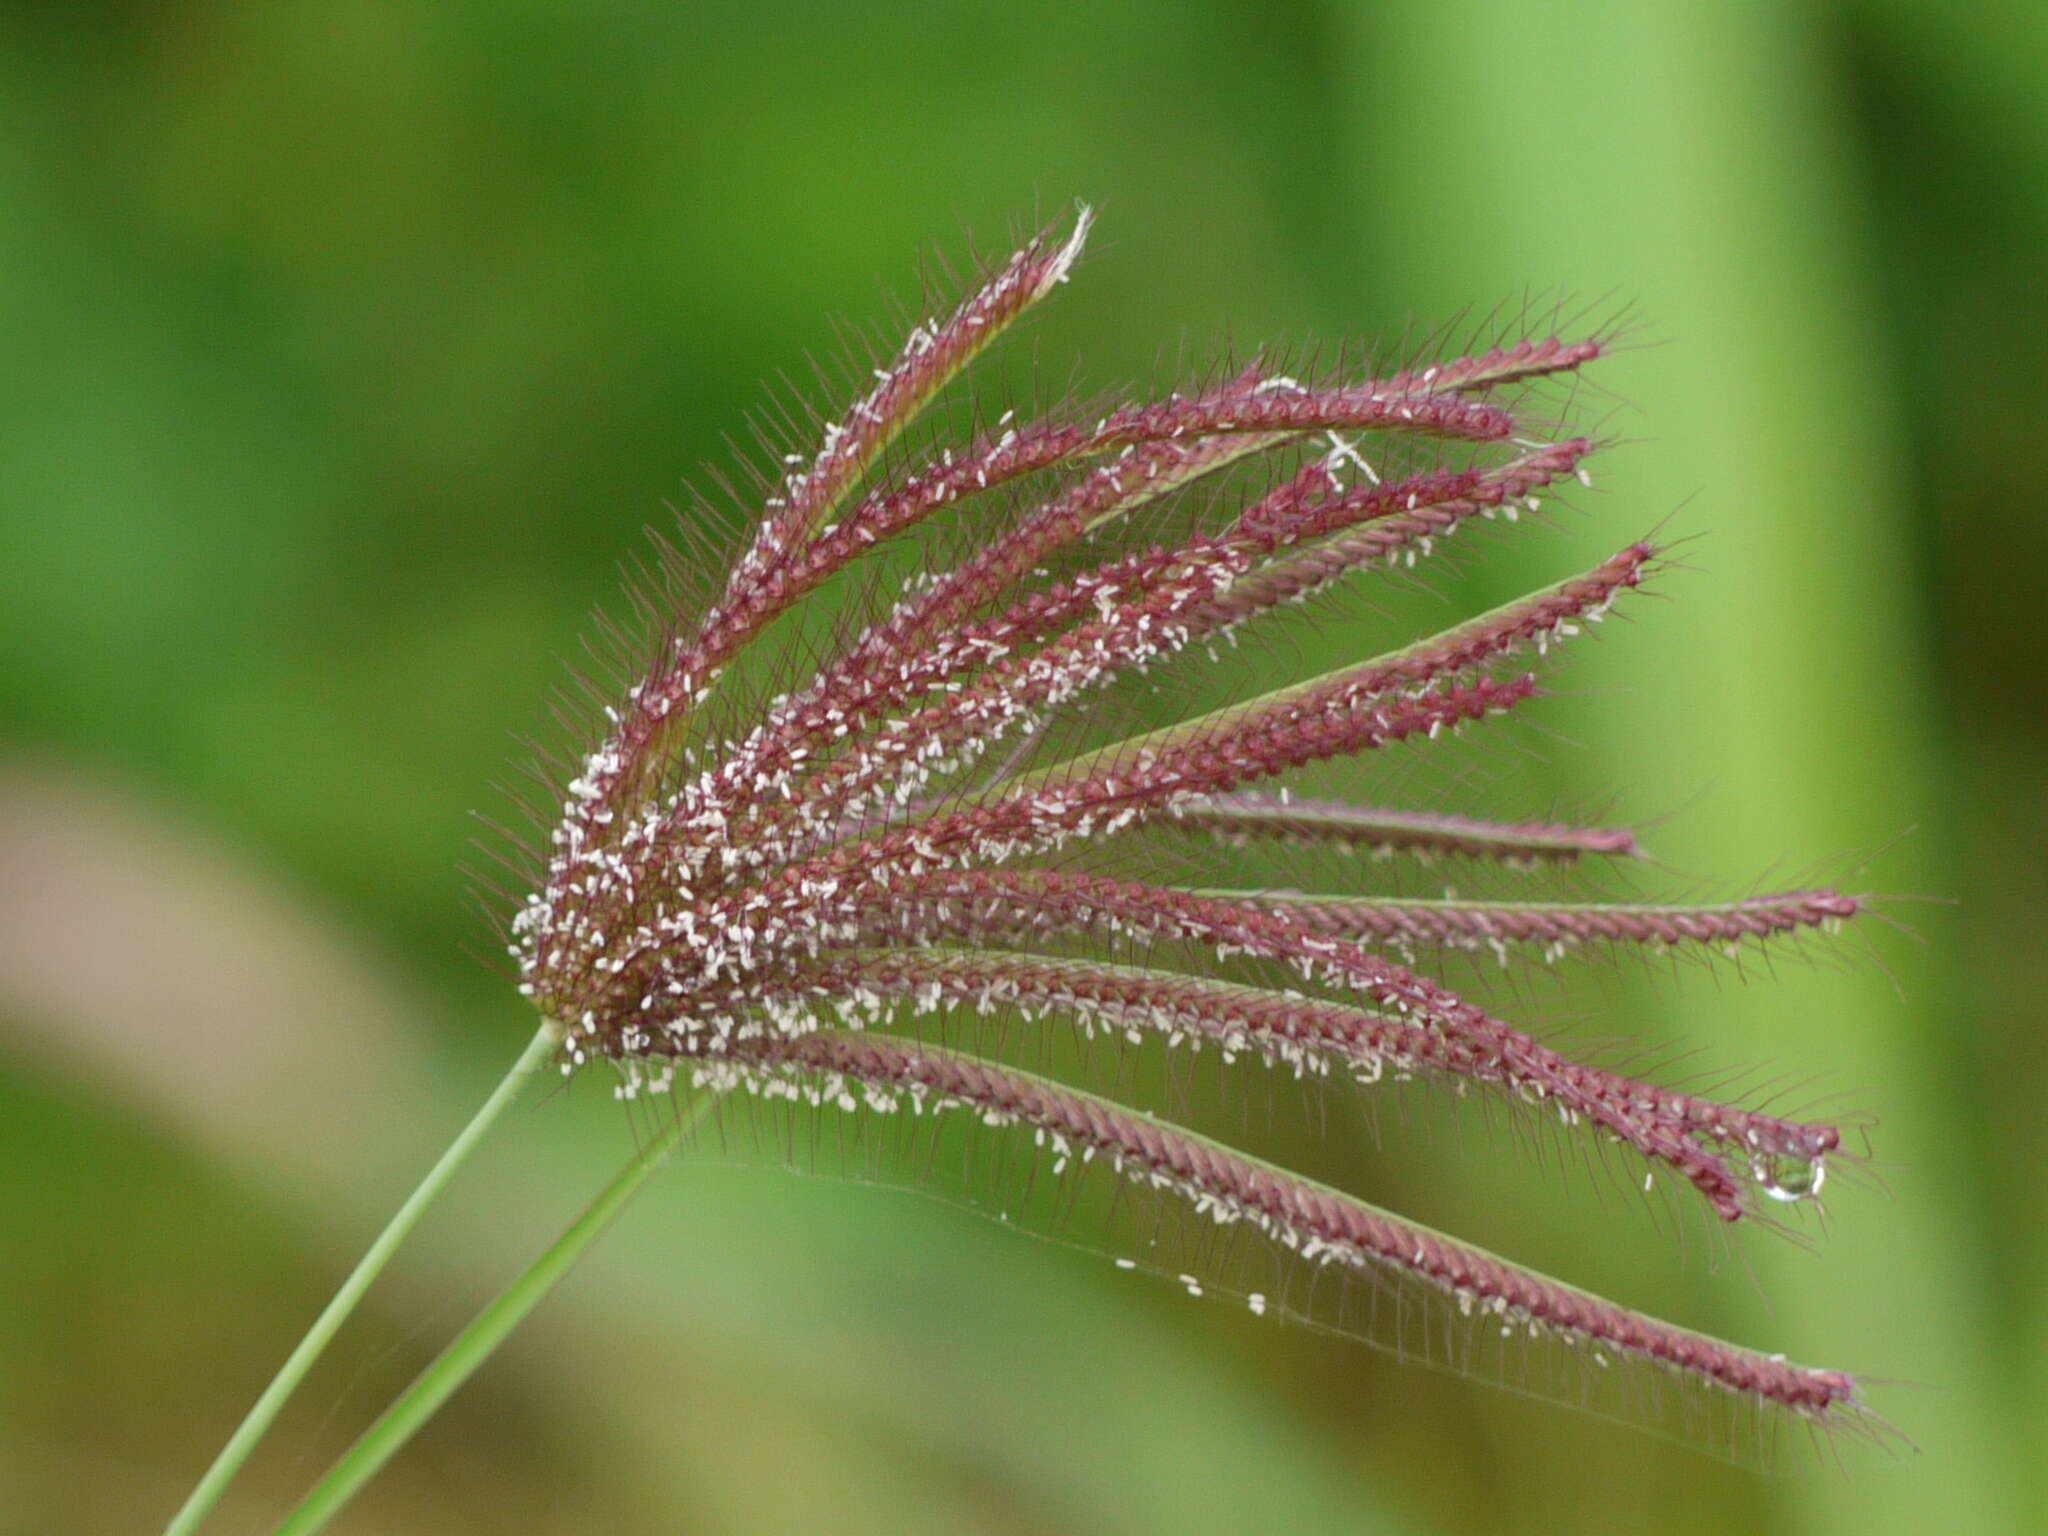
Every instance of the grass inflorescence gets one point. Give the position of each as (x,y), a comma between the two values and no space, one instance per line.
(836,878)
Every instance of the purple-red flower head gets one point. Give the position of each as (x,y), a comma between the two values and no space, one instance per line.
(909,835)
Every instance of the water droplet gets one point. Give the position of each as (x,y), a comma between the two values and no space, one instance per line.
(1787,1178)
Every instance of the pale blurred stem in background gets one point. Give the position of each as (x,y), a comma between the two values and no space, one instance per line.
(260,1418)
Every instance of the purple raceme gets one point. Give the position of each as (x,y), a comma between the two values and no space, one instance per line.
(917,833)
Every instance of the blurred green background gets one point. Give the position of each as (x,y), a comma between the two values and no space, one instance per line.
(348,346)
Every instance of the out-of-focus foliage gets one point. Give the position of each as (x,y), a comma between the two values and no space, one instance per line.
(347,347)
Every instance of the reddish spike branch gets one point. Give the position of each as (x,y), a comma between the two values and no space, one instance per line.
(1239,818)
(1537,620)
(1306,1033)
(1481,924)
(933,355)
(1502,365)
(1259,744)
(1313,1219)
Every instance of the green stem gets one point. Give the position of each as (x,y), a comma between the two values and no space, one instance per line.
(437,1383)
(264,1414)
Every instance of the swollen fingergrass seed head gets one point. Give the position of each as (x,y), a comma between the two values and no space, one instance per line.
(773,904)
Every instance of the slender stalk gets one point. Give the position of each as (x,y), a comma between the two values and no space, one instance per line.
(259,1419)
(474,1345)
